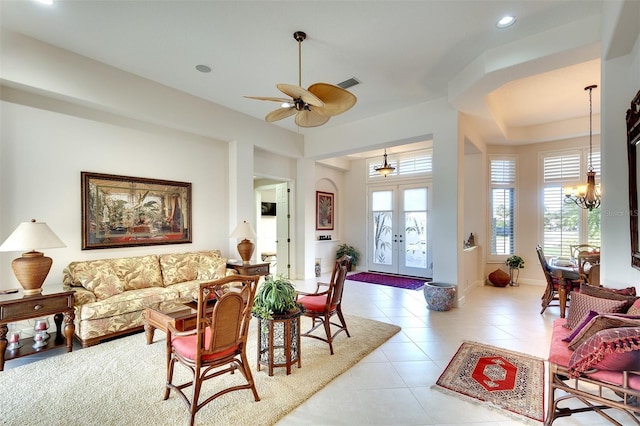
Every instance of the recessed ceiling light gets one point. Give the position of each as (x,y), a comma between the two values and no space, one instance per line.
(506,21)
(203,68)
(47,2)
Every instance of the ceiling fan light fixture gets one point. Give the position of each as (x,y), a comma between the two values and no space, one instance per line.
(386,169)
(313,106)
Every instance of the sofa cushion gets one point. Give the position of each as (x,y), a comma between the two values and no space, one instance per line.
(581,304)
(211,267)
(138,272)
(602,322)
(126,302)
(615,349)
(102,281)
(179,267)
(75,271)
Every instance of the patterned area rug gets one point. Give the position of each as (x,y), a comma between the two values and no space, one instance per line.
(389,280)
(498,377)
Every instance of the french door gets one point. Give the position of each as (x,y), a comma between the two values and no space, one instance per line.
(398,226)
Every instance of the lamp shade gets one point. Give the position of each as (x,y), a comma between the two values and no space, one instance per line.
(31,236)
(32,268)
(244,230)
(245,247)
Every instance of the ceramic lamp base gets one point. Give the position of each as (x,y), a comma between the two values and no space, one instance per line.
(245,249)
(31,270)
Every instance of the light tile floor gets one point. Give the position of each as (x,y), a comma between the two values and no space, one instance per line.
(392,385)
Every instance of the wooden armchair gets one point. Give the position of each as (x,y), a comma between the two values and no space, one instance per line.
(218,344)
(321,306)
(558,286)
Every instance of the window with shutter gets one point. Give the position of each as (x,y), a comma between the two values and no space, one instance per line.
(502,200)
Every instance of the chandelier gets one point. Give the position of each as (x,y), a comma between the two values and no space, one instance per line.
(586,196)
(386,169)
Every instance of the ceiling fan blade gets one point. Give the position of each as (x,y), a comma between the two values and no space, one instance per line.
(306,118)
(298,92)
(268,98)
(336,99)
(279,114)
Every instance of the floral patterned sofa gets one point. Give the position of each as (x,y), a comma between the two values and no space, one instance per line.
(112,294)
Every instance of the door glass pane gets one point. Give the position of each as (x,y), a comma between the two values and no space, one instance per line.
(382,200)
(416,239)
(382,237)
(415,227)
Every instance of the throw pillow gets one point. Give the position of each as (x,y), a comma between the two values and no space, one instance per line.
(499,278)
(635,308)
(614,349)
(581,304)
(599,323)
(627,294)
(591,315)
(102,281)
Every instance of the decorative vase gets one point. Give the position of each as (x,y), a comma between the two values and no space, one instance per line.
(514,272)
(439,296)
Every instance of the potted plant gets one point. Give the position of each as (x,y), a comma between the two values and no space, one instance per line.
(276,296)
(350,251)
(515,263)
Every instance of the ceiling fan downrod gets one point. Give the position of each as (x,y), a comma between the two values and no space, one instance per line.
(299,36)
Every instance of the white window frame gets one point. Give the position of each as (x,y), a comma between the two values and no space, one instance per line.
(576,178)
(408,165)
(506,184)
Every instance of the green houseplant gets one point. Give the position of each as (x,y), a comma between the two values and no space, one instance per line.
(515,263)
(350,251)
(276,296)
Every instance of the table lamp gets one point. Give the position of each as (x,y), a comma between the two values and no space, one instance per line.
(245,247)
(33,267)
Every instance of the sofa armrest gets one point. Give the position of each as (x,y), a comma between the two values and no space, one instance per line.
(82,296)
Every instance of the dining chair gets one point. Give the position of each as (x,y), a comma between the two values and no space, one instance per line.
(558,287)
(218,343)
(321,306)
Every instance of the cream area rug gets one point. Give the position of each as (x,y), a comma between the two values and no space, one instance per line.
(121,382)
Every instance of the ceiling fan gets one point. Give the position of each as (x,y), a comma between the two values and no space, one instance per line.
(313,106)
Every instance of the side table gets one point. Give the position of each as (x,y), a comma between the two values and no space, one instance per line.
(251,269)
(279,342)
(17,307)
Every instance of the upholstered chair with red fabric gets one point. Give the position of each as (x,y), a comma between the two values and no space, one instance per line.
(321,306)
(218,344)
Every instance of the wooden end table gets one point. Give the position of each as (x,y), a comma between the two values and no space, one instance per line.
(261,269)
(17,307)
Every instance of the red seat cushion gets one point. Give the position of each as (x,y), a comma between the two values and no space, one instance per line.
(314,303)
(186,346)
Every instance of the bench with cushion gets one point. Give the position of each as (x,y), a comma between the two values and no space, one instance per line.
(594,357)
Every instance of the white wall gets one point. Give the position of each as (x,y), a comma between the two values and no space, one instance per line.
(43,153)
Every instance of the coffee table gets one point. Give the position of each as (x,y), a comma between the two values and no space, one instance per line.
(182,317)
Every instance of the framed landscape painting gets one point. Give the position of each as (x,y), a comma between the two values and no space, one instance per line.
(124,211)
(324,210)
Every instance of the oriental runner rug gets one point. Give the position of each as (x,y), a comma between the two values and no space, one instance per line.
(500,378)
(410,283)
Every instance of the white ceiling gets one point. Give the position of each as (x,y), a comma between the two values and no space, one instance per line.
(404,53)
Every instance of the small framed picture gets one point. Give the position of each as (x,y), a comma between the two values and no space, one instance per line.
(324,210)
